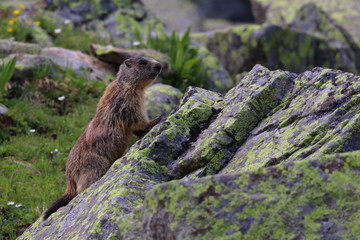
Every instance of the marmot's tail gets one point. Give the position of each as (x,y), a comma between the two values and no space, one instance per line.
(69,194)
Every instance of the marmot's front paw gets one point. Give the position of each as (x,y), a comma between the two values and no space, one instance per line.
(157,120)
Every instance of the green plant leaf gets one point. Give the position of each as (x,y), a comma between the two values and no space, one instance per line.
(191,64)
(6,73)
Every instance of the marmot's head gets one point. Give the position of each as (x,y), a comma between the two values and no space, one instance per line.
(139,71)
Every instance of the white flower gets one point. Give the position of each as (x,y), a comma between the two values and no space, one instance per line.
(18,205)
(54,151)
(57,31)
(136,43)
(62,98)
(32,130)
(67,21)
(11,203)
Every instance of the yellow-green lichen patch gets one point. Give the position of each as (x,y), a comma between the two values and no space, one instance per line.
(281,202)
(243,107)
(305,129)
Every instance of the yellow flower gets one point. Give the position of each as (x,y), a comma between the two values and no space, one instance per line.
(11,22)
(21,6)
(9,29)
(28,23)
(16,12)
(37,23)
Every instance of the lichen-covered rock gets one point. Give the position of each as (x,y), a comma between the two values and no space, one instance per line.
(111,20)
(240,110)
(217,77)
(83,11)
(315,199)
(161,99)
(311,38)
(321,115)
(265,145)
(343,13)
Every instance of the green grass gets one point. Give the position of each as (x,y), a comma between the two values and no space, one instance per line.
(31,169)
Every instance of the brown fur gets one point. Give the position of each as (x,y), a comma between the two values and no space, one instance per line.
(120,114)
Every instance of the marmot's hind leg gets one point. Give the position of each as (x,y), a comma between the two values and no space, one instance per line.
(91,173)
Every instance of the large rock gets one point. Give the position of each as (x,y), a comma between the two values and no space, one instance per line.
(303,200)
(50,61)
(79,62)
(217,78)
(344,13)
(268,137)
(310,37)
(8,47)
(168,12)
(161,99)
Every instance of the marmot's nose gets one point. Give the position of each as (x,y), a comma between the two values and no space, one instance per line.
(157,67)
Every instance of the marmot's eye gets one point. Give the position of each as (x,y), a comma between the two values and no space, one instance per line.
(142,62)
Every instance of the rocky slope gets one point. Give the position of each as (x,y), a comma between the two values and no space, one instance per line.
(294,36)
(253,163)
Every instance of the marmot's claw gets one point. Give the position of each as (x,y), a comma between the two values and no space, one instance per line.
(158,119)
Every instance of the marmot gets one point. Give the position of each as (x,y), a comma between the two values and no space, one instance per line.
(120,114)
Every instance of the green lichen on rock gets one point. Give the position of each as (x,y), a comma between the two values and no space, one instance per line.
(217,77)
(112,21)
(238,113)
(280,12)
(311,37)
(309,199)
(303,129)
(161,99)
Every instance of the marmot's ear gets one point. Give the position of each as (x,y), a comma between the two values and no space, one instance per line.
(128,63)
